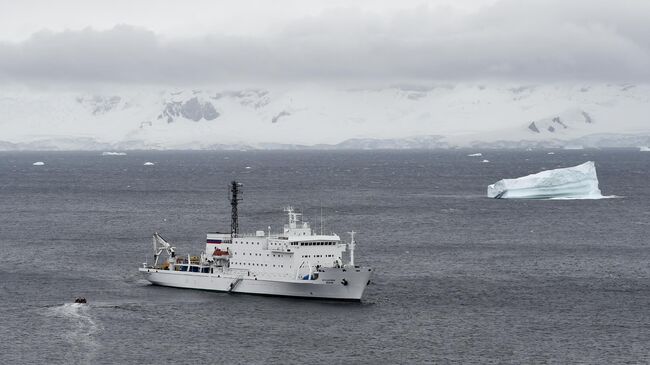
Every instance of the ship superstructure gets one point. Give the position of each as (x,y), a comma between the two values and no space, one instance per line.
(297,262)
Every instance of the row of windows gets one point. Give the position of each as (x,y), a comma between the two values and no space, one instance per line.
(254,264)
(313,243)
(194,269)
(307,256)
(257,254)
(294,243)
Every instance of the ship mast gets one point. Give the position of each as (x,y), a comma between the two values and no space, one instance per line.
(235,198)
(352,245)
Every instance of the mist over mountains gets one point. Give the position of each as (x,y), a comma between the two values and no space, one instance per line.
(442,115)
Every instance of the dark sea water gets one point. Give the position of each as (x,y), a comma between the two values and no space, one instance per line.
(459,278)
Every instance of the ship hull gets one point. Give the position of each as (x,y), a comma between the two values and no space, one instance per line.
(339,284)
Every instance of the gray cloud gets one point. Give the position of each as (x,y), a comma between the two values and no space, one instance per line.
(519,40)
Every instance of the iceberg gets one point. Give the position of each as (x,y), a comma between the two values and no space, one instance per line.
(38,163)
(113,153)
(149,163)
(577,182)
(573,147)
(644,149)
(475,155)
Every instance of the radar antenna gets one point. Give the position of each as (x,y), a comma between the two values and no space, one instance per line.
(235,198)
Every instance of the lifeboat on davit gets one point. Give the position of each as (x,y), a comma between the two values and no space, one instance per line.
(220,253)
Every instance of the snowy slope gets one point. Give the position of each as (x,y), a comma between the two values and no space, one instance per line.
(405,116)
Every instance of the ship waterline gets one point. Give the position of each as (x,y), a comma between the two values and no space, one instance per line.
(329,285)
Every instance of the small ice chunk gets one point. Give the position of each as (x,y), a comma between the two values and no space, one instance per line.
(485,161)
(248,167)
(149,163)
(551,153)
(577,182)
(644,149)
(475,154)
(113,153)
(38,163)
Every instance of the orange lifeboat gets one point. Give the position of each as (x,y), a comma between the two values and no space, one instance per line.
(219,252)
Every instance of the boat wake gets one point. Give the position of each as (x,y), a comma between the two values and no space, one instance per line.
(78,328)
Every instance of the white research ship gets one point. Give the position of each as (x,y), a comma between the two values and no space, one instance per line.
(294,263)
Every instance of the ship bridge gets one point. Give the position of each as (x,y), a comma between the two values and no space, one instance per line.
(296,227)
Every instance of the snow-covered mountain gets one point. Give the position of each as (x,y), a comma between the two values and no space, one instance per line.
(304,116)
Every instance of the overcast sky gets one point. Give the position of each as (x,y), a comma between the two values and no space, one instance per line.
(189,42)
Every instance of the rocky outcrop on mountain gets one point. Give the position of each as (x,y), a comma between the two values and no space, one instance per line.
(557,120)
(209,111)
(566,123)
(281,114)
(191,109)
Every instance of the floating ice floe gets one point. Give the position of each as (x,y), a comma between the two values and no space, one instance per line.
(573,147)
(475,155)
(485,161)
(644,149)
(551,153)
(113,153)
(577,182)
(248,167)
(149,163)
(38,163)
